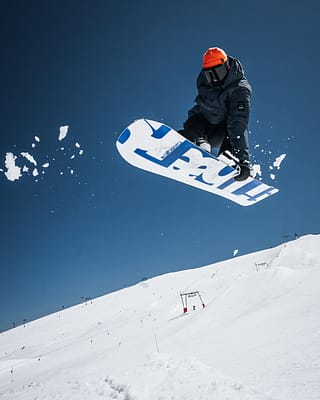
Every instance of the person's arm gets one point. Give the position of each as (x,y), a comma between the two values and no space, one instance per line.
(238,119)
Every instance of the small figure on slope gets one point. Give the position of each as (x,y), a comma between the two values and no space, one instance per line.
(220,116)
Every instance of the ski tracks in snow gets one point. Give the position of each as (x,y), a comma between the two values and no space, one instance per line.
(159,377)
(164,377)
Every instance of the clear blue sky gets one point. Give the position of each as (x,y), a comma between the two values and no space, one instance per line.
(97,66)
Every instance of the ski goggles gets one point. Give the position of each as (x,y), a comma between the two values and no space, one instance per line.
(215,75)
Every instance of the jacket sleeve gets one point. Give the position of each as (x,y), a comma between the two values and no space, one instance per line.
(238,119)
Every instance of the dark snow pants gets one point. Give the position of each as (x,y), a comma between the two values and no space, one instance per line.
(197,126)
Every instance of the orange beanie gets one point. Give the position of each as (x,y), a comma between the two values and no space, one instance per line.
(213,57)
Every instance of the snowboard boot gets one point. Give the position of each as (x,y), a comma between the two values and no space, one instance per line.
(203,144)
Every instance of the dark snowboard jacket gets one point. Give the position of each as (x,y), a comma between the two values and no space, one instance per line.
(228,103)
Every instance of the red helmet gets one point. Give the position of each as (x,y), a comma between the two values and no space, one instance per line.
(214,56)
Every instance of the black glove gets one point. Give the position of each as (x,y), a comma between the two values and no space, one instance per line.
(243,167)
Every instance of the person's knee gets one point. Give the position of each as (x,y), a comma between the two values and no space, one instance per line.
(195,126)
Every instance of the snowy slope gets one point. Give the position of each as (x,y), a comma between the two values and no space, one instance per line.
(257,338)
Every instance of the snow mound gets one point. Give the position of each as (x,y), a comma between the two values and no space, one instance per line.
(257,337)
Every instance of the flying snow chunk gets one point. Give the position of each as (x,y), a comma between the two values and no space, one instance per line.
(46,165)
(13,171)
(63,132)
(37,139)
(77,145)
(235,252)
(256,168)
(29,157)
(272,176)
(279,160)
(35,172)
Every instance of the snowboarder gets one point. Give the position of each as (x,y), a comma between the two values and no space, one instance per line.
(221,114)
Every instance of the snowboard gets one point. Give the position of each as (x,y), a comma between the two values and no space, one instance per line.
(157,148)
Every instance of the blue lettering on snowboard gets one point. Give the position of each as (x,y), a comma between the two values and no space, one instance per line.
(124,136)
(178,152)
(160,132)
(171,157)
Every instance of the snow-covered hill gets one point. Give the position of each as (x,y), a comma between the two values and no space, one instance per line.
(258,336)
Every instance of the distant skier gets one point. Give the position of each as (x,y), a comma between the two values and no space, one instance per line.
(221,114)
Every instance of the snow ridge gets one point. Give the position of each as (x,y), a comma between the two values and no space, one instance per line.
(256,339)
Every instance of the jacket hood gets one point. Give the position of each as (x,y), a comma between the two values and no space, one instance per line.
(235,74)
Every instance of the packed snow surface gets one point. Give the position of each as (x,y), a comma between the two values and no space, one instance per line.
(257,338)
